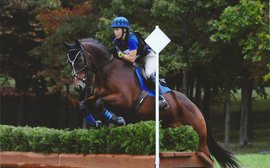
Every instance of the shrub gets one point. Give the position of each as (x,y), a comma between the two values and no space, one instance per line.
(180,139)
(136,138)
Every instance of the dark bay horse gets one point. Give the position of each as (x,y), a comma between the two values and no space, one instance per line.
(118,87)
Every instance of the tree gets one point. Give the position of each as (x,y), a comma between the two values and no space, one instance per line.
(19,34)
(186,22)
(245,26)
(26,25)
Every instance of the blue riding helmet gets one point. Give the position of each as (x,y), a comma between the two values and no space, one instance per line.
(120,22)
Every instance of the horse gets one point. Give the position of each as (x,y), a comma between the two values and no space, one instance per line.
(117,86)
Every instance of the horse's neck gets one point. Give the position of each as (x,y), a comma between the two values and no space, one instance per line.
(114,69)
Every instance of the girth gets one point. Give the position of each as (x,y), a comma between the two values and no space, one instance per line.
(137,104)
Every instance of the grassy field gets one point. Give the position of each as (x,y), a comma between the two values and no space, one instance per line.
(252,161)
(256,154)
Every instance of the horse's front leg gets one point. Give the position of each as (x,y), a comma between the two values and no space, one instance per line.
(91,99)
(89,102)
(113,102)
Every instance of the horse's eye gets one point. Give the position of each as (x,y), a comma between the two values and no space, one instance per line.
(80,60)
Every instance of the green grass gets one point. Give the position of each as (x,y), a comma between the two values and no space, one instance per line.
(251,156)
(252,161)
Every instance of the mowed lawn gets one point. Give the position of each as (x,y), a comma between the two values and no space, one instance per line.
(252,160)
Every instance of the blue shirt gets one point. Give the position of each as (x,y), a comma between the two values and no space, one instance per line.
(131,44)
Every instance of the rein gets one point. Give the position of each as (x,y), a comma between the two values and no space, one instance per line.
(94,69)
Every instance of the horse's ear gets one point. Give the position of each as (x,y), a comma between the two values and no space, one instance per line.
(78,45)
(68,45)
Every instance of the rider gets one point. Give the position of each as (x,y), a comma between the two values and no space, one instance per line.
(130,49)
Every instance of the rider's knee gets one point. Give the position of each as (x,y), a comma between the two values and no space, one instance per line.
(148,74)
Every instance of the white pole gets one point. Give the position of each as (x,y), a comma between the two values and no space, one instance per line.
(157,109)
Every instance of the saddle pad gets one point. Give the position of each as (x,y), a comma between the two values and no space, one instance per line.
(164,89)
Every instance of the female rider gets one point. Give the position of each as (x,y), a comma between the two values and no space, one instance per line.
(130,49)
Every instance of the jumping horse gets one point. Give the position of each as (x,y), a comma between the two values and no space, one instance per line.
(118,87)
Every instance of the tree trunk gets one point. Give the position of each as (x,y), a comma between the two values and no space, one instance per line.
(20,110)
(67,106)
(198,93)
(185,83)
(246,93)
(206,102)
(191,87)
(227,105)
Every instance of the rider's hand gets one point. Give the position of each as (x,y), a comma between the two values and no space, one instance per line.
(120,54)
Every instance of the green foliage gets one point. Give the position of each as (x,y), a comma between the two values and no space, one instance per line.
(199,56)
(171,60)
(245,25)
(31,4)
(180,139)
(136,138)
(6,137)
(5,80)
(236,20)
(41,139)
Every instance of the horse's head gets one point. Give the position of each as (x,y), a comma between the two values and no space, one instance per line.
(76,58)
(84,56)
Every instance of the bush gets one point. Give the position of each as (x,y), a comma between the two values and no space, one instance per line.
(180,139)
(136,138)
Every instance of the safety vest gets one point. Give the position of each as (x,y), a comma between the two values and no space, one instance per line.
(143,48)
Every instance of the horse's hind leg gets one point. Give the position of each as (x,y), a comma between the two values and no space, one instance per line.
(203,143)
(200,127)
(189,114)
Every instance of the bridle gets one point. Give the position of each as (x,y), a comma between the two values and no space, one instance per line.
(72,63)
(85,68)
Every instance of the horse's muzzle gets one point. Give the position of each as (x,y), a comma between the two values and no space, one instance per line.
(79,89)
(79,85)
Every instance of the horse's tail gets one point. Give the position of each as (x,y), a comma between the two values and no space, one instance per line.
(224,157)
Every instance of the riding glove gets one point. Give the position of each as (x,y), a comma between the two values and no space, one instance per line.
(120,54)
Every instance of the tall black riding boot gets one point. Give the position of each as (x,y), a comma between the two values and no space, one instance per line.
(163,104)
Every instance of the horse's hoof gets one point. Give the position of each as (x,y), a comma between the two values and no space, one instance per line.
(119,121)
(99,123)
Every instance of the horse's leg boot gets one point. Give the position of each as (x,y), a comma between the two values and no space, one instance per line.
(112,118)
(92,122)
(118,121)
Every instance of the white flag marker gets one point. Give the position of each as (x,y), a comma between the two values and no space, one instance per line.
(157,40)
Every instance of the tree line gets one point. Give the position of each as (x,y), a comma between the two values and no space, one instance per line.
(217,46)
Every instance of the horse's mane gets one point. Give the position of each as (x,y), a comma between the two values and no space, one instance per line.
(112,50)
(95,42)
